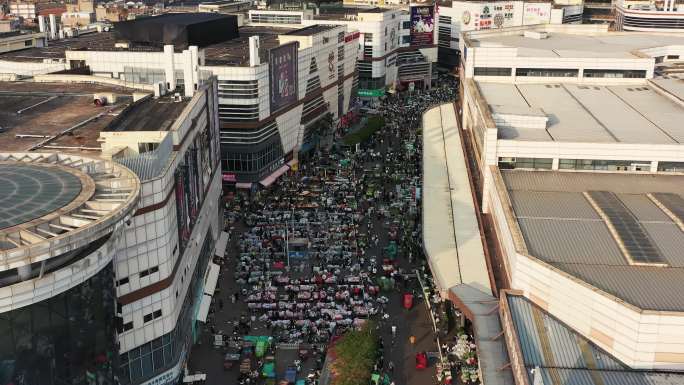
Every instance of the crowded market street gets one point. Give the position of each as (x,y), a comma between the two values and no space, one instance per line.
(326,248)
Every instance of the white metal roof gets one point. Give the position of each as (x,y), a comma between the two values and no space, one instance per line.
(450,230)
(590,114)
(601,45)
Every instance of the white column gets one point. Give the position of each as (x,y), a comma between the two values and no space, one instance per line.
(254,59)
(194,59)
(53,27)
(654,166)
(187,73)
(555,163)
(169,69)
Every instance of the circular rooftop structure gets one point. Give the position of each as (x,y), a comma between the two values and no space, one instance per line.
(51,204)
(31,191)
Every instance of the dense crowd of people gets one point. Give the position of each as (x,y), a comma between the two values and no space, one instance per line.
(322,244)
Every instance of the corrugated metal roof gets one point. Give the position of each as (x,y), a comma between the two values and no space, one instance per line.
(584,377)
(558,228)
(547,204)
(624,183)
(571,241)
(643,208)
(564,349)
(643,286)
(557,353)
(669,239)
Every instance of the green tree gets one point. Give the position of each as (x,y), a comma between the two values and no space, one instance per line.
(355,354)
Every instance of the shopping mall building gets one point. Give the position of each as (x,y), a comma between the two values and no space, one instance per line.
(111,215)
(554,196)
(276,85)
(391,55)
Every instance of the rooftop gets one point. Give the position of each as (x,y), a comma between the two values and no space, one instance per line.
(342,12)
(588,113)
(103,41)
(598,45)
(54,203)
(63,116)
(311,30)
(150,115)
(564,356)
(567,219)
(236,52)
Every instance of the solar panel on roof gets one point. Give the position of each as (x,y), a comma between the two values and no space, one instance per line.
(632,234)
(672,202)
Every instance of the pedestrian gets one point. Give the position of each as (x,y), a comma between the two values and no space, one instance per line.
(412,340)
(390,367)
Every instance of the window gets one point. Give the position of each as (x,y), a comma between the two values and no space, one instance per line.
(122,281)
(598,164)
(672,57)
(152,316)
(149,271)
(406,25)
(385,30)
(671,166)
(128,326)
(238,89)
(147,147)
(547,72)
(533,163)
(144,75)
(593,73)
(492,71)
(28,43)
(238,112)
(406,39)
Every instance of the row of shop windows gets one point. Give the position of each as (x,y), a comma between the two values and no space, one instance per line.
(254,161)
(558,72)
(509,163)
(370,83)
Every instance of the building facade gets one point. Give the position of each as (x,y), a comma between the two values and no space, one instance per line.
(258,136)
(666,16)
(170,242)
(155,276)
(464,16)
(388,58)
(556,142)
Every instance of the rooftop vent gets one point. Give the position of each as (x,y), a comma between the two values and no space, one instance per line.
(538,35)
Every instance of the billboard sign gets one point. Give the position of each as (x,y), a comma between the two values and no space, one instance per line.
(422,25)
(536,13)
(282,66)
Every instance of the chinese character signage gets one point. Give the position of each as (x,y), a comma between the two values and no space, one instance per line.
(422,25)
(282,65)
